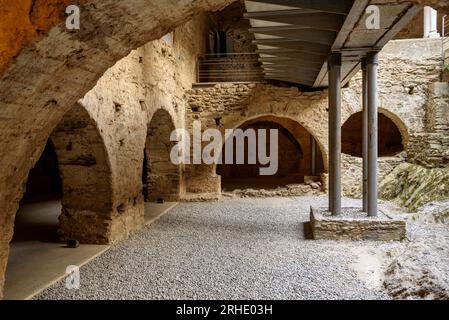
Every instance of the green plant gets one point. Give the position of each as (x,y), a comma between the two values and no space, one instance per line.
(446,67)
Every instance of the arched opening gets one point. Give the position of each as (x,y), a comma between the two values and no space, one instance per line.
(35,226)
(390,139)
(162,176)
(68,196)
(295,157)
(37,217)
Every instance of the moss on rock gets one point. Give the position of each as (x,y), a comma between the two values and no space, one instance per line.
(413,186)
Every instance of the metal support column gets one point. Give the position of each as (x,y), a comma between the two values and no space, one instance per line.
(313,171)
(365,135)
(372,62)
(334,64)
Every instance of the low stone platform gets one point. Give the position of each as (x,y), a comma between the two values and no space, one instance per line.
(353,224)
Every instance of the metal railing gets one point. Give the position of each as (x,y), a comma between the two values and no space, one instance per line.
(229,67)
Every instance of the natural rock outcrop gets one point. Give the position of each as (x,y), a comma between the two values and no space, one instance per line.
(421,271)
(413,186)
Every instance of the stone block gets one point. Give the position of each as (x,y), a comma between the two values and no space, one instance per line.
(355,225)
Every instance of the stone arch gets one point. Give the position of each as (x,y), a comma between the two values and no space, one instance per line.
(399,124)
(393,136)
(294,155)
(51,68)
(163,178)
(79,157)
(86,178)
(282,117)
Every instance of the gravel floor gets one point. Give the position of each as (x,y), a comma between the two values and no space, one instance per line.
(234,249)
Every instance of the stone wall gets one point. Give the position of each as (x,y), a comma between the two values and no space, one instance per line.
(122,105)
(45,69)
(48,70)
(431,148)
(406,69)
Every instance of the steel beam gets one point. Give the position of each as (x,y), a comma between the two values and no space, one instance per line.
(365,136)
(292,54)
(289,63)
(334,124)
(371,72)
(295,45)
(331,6)
(316,20)
(306,35)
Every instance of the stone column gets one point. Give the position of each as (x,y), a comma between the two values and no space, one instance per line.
(430,23)
(334,64)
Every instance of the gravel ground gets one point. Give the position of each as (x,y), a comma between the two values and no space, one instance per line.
(234,249)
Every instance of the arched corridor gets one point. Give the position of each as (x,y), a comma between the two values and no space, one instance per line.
(294,157)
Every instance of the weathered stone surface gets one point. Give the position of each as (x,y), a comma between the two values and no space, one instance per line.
(46,69)
(431,148)
(355,225)
(293,190)
(55,70)
(352,173)
(413,186)
(434,212)
(406,69)
(420,271)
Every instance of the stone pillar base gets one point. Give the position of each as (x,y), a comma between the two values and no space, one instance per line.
(100,228)
(355,225)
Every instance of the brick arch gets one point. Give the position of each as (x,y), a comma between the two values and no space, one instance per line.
(163,178)
(86,175)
